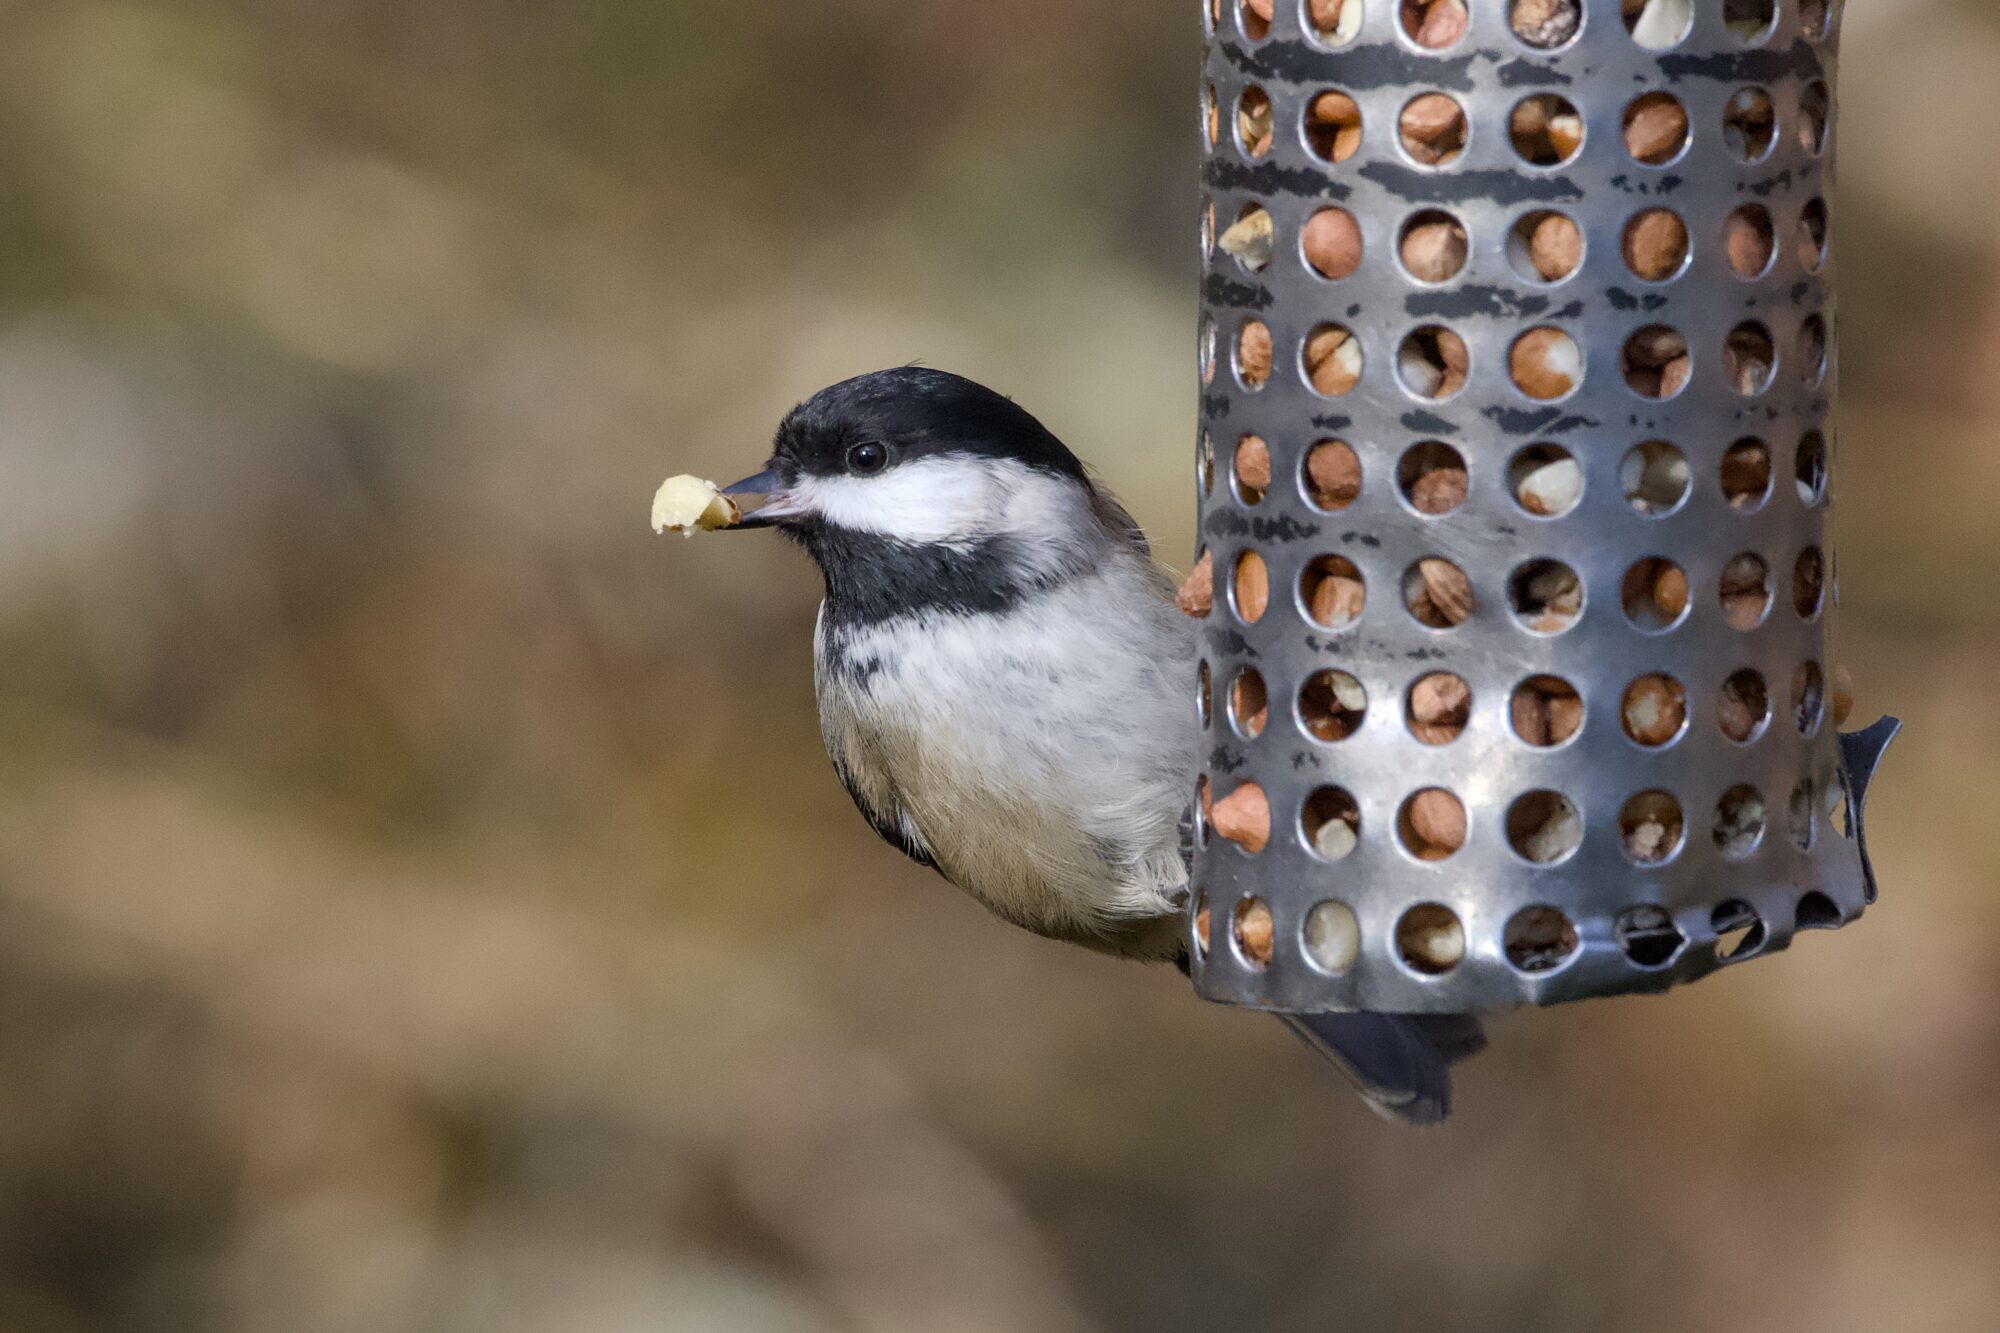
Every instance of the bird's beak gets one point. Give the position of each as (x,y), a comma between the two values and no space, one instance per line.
(767,486)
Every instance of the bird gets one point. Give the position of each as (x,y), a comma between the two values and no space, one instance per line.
(1001,675)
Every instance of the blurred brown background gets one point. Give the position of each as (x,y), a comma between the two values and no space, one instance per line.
(424,904)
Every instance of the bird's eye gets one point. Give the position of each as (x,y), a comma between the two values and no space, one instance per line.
(866,458)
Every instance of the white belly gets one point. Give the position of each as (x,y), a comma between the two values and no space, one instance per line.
(1042,755)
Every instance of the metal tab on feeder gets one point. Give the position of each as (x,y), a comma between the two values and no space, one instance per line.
(1517,364)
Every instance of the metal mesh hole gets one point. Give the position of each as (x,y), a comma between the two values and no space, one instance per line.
(1432,477)
(1332,705)
(1815,16)
(1749,358)
(1244,817)
(1432,129)
(1433,24)
(1545,129)
(1333,22)
(1331,938)
(1432,246)
(1654,710)
(1656,362)
(1745,591)
(1816,911)
(1749,241)
(1812,351)
(1546,596)
(1808,698)
(1543,827)
(1743,706)
(1809,583)
(1545,711)
(1545,480)
(1204,811)
(1333,124)
(1248,240)
(1746,474)
(1332,475)
(1655,245)
(1252,469)
(1250,589)
(1809,468)
(1739,931)
(1545,24)
(1651,828)
(1654,594)
(1331,243)
(1331,822)
(1437,593)
(1655,478)
(1252,932)
(1750,20)
(1333,592)
(1211,117)
(1203,697)
(1255,18)
(1253,353)
(1739,821)
(1648,936)
(1331,359)
(1438,707)
(1431,824)
(1545,246)
(1433,362)
(1430,939)
(1204,464)
(1655,128)
(1539,939)
(1545,363)
(1750,124)
(1810,242)
(1200,931)
(1812,118)
(1803,814)
(1249,707)
(1658,24)
(1205,349)
(1253,121)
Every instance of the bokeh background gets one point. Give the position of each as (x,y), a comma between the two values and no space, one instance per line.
(424,904)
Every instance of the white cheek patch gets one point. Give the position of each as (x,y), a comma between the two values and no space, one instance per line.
(943,500)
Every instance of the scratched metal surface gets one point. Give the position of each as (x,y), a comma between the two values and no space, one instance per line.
(1489,188)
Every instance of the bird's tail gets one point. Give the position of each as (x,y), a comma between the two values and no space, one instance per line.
(1399,1063)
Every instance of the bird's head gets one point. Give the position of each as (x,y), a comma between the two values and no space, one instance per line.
(918,461)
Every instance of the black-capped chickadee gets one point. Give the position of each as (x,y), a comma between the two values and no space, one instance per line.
(1004,683)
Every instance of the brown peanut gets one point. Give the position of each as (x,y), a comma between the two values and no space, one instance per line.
(1244,817)
(1331,240)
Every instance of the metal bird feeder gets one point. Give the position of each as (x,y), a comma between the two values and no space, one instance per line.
(1517,370)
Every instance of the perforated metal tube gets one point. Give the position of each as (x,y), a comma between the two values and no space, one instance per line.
(1625,922)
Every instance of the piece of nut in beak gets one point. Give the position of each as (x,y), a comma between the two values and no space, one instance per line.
(685,503)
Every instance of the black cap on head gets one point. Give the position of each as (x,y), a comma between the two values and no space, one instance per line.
(914,412)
